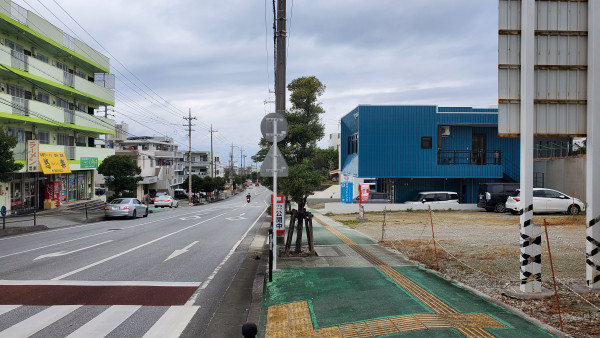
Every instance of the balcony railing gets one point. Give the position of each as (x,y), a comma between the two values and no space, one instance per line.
(70,152)
(69,115)
(20,106)
(469,157)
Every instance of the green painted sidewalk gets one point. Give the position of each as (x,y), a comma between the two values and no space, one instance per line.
(349,298)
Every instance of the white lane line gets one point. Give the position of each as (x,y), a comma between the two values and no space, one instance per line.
(132,249)
(49,245)
(105,322)
(62,253)
(6,308)
(172,323)
(39,321)
(97,283)
(192,299)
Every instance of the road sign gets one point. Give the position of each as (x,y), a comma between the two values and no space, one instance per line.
(268,124)
(3,211)
(266,168)
(346,192)
(278,214)
(364,192)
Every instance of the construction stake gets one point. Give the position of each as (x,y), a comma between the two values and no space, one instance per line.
(553,279)
(433,236)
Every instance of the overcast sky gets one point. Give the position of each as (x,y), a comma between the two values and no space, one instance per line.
(216,58)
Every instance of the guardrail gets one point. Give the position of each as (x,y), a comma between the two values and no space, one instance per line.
(469,157)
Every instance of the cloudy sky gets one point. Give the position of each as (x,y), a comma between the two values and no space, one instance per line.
(216,58)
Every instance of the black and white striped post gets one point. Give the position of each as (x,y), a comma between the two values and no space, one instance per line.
(592,243)
(531,235)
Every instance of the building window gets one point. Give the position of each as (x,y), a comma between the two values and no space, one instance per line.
(80,141)
(353,144)
(44,137)
(426,142)
(42,57)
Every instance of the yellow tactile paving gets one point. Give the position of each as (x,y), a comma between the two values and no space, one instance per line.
(293,320)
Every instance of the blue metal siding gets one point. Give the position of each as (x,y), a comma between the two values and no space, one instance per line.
(349,126)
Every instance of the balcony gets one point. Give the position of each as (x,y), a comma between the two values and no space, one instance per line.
(52,74)
(43,113)
(462,157)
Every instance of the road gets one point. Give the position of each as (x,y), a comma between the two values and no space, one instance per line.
(144,277)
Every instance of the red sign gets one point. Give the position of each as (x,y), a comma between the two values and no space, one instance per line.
(53,192)
(364,192)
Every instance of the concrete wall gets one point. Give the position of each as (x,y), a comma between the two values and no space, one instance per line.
(566,175)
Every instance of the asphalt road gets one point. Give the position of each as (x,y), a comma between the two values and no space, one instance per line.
(144,277)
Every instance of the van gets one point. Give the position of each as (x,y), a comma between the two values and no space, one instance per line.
(100,194)
(180,194)
(435,197)
(375,197)
(493,196)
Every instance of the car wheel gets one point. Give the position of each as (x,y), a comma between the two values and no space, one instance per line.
(171,205)
(177,205)
(134,214)
(573,209)
(146,213)
(500,207)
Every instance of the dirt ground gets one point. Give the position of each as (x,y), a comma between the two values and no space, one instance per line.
(481,249)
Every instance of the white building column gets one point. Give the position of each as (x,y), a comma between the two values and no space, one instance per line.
(530,234)
(592,244)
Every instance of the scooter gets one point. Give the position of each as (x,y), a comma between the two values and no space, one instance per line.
(248,199)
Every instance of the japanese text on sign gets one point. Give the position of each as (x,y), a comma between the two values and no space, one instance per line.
(278,214)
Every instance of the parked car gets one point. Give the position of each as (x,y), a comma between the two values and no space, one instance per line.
(492,196)
(125,207)
(546,201)
(375,197)
(180,194)
(435,197)
(165,201)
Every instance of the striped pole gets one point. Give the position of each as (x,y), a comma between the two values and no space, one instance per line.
(592,244)
(530,241)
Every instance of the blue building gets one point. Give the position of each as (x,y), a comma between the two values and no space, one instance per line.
(407,149)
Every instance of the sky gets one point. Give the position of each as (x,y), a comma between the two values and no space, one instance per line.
(215,59)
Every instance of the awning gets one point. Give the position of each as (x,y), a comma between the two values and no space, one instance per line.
(54,163)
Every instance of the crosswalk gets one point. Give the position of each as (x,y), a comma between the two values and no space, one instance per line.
(74,321)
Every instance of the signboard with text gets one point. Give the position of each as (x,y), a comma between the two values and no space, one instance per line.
(278,214)
(33,155)
(54,163)
(88,163)
(364,192)
(346,192)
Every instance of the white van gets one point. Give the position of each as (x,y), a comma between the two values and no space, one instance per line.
(435,197)
(100,194)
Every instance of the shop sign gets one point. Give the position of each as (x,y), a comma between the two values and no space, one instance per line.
(33,155)
(148,180)
(54,163)
(88,163)
(278,214)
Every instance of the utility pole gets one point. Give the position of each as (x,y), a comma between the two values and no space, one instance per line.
(189,125)
(242,171)
(212,156)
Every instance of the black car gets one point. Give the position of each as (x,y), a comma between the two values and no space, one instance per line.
(493,196)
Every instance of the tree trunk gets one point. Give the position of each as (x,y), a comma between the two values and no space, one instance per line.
(299,232)
(288,242)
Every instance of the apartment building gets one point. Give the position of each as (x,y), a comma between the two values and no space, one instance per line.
(201,165)
(157,156)
(51,85)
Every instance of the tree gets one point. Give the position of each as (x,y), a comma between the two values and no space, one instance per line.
(299,147)
(325,160)
(7,160)
(120,174)
(219,183)
(197,184)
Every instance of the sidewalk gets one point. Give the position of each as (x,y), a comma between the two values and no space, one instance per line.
(356,288)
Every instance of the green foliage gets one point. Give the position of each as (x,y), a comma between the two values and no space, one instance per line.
(197,184)
(7,159)
(299,148)
(120,174)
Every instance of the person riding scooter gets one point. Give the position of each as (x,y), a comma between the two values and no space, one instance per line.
(248,198)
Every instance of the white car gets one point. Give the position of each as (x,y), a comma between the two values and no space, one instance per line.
(165,201)
(546,200)
(435,197)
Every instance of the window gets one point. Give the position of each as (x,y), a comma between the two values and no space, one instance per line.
(44,137)
(43,97)
(81,107)
(81,74)
(353,144)
(426,142)
(64,140)
(42,57)
(80,141)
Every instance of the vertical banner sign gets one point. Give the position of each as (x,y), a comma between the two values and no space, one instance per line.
(278,214)
(33,155)
(346,192)
(364,192)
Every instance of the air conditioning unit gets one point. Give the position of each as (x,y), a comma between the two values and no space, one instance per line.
(445,130)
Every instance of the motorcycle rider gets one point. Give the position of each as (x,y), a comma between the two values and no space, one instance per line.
(248,198)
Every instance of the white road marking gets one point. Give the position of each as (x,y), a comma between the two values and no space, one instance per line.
(49,245)
(173,322)
(6,308)
(235,218)
(181,251)
(97,283)
(105,322)
(132,249)
(192,299)
(62,253)
(39,321)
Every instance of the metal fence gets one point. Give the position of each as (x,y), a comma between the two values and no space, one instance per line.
(456,157)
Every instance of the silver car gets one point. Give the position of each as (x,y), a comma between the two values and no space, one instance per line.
(126,207)
(165,201)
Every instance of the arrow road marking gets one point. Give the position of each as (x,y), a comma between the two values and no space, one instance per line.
(236,218)
(62,253)
(181,251)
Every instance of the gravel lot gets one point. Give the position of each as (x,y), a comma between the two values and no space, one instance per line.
(481,250)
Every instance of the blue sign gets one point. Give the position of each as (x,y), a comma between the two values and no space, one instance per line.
(346,192)
(3,211)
